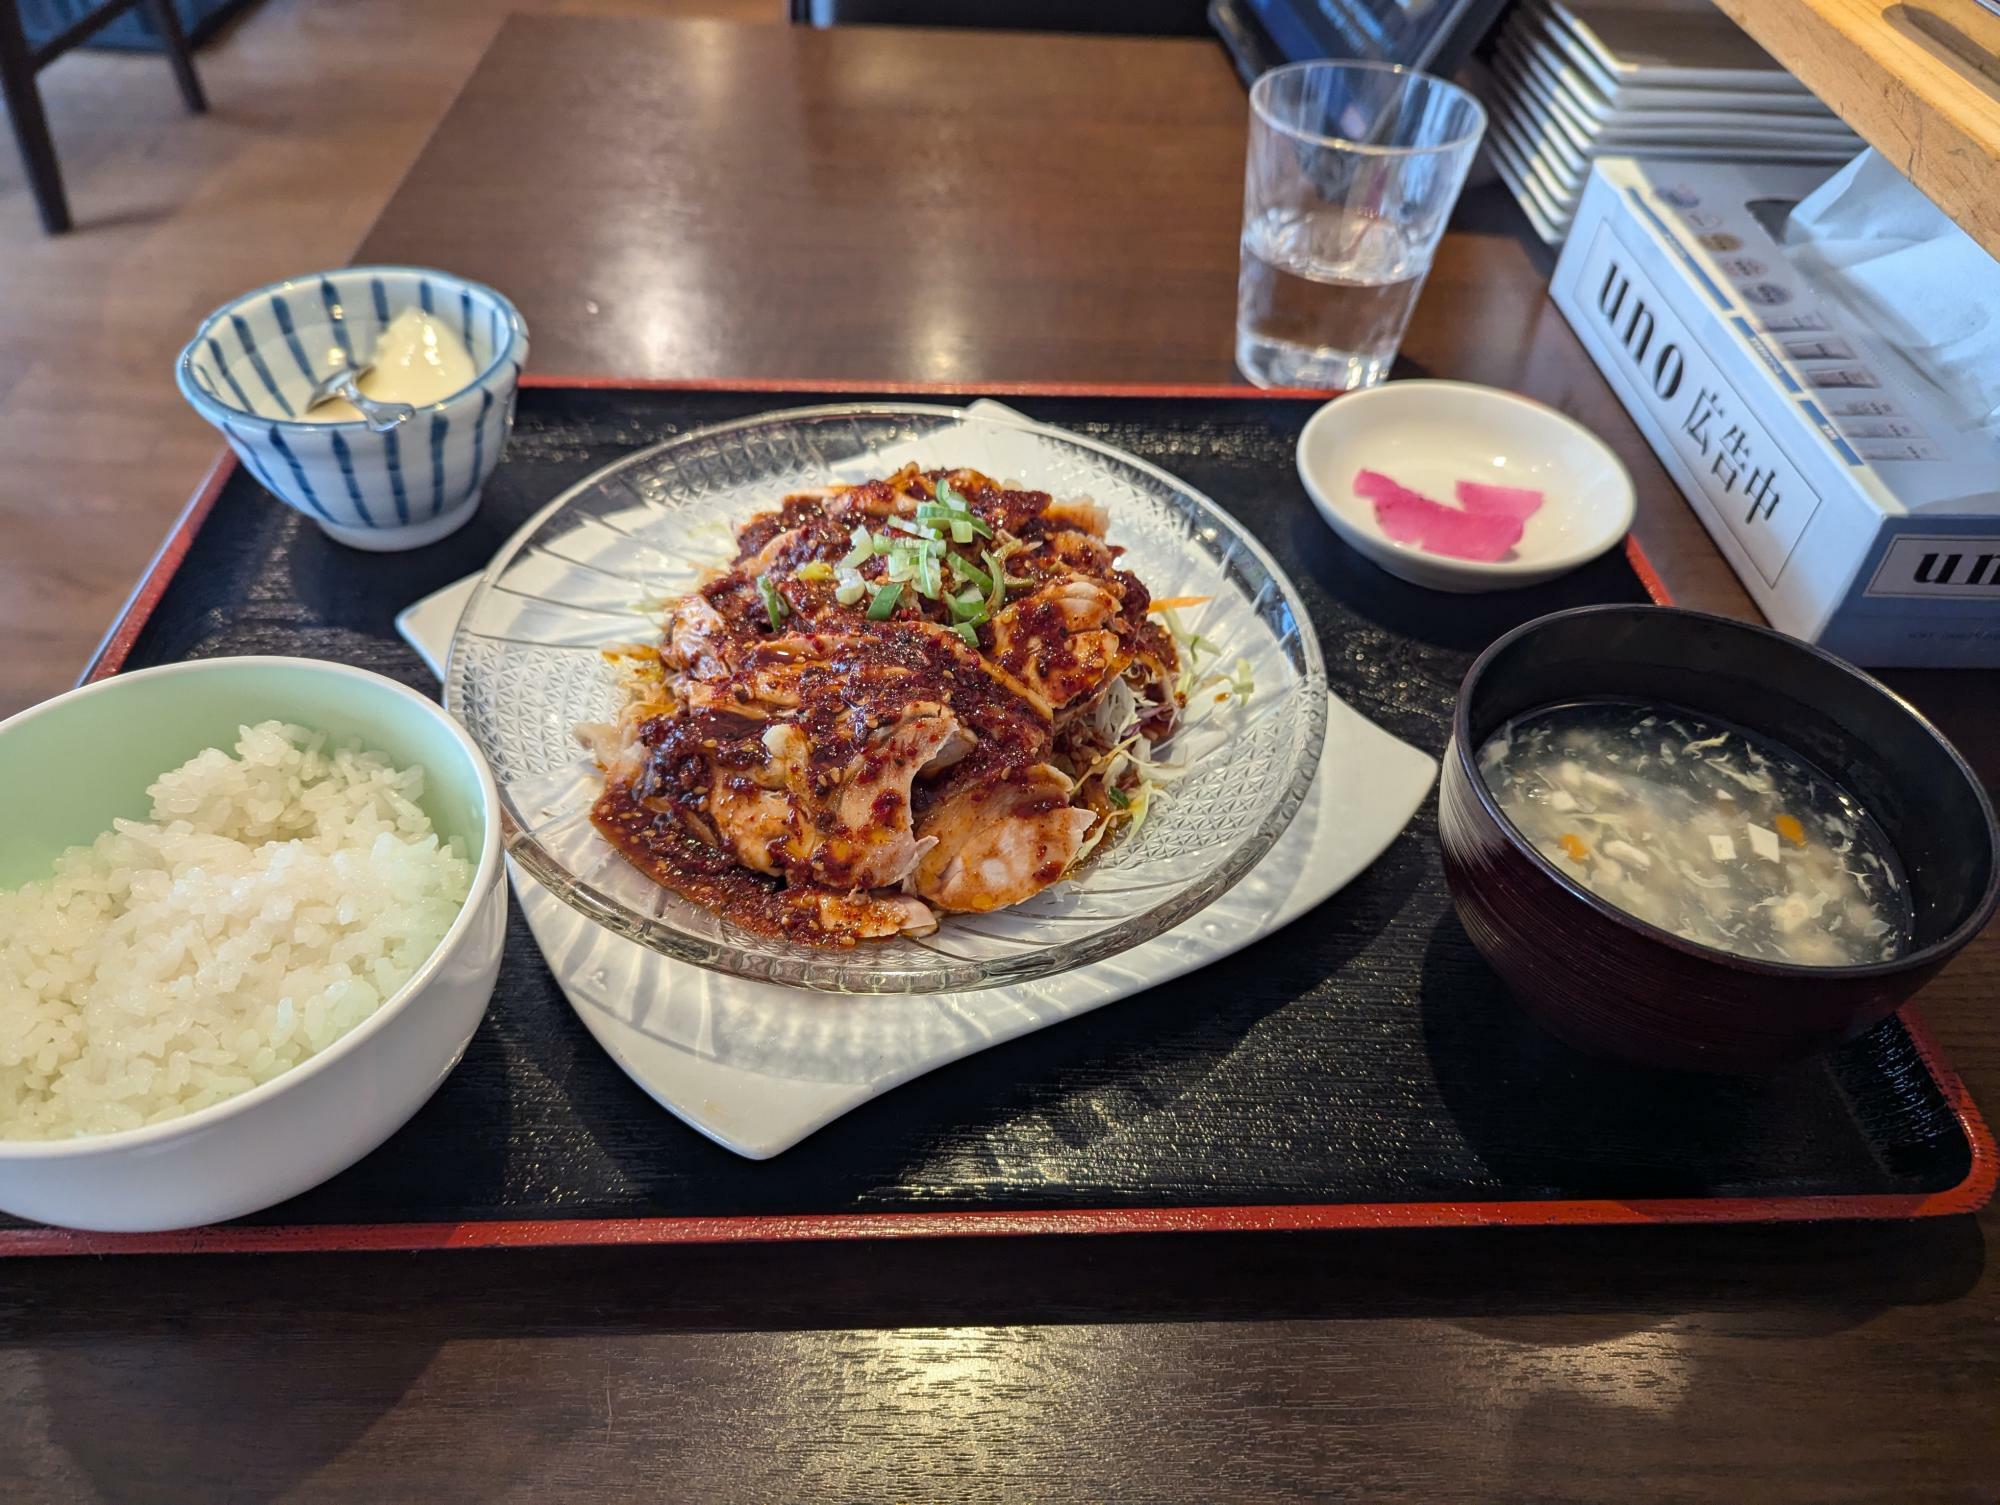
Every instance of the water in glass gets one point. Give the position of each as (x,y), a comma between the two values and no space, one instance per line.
(1323,296)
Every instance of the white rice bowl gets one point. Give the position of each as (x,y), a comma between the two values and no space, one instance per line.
(275,900)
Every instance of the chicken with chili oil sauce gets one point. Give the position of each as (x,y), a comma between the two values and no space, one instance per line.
(923,695)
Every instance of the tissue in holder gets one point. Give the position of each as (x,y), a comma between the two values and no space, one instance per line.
(1870,241)
(1816,384)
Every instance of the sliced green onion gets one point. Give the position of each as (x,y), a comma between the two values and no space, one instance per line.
(883,602)
(1118,797)
(851,588)
(774,604)
(930,577)
(864,547)
(817,569)
(970,571)
(996,590)
(883,542)
(952,508)
(967,631)
(902,566)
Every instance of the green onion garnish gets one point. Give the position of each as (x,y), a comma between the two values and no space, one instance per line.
(851,588)
(883,602)
(970,571)
(864,547)
(996,590)
(967,631)
(774,604)
(1118,797)
(930,578)
(951,507)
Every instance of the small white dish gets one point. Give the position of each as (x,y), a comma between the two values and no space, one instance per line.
(1429,436)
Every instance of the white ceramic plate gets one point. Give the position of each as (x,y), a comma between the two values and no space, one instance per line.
(1549,223)
(1587,117)
(1428,436)
(757,1067)
(1642,46)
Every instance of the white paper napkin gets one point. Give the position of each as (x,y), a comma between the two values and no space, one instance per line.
(1870,238)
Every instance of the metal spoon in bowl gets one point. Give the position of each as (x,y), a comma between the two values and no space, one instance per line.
(346,382)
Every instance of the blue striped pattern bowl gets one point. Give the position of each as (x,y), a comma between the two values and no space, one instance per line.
(252,362)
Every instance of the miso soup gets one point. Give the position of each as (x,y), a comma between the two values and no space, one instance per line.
(1724,839)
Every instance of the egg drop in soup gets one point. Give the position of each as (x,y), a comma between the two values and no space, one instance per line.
(1718,837)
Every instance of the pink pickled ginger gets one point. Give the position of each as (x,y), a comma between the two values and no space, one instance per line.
(1517,502)
(1470,533)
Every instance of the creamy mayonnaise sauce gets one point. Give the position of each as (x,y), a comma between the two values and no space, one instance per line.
(417,360)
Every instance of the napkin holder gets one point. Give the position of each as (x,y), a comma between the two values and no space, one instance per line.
(1834,450)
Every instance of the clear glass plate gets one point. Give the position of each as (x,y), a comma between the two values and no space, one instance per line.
(589,570)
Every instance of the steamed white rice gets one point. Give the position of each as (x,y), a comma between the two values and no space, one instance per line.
(275,900)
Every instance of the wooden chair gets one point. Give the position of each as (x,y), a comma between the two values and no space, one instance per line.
(20,62)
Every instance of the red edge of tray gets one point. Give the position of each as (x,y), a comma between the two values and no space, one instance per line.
(1969,1195)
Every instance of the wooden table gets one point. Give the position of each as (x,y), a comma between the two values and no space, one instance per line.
(702,200)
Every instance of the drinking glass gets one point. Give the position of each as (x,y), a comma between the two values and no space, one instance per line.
(1352,172)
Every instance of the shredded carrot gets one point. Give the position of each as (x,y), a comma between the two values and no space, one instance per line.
(1789,828)
(1175,603)
(1573,844)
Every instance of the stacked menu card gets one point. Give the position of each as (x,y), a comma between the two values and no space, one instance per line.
(1566,81)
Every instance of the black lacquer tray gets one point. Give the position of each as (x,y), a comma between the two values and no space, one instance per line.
(1362,1068)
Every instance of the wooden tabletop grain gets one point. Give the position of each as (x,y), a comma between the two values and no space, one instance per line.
(706,200)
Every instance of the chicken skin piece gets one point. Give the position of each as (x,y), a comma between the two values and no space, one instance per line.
(1059,641)
(988,845)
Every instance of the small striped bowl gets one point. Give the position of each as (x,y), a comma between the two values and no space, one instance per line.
(252,362)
